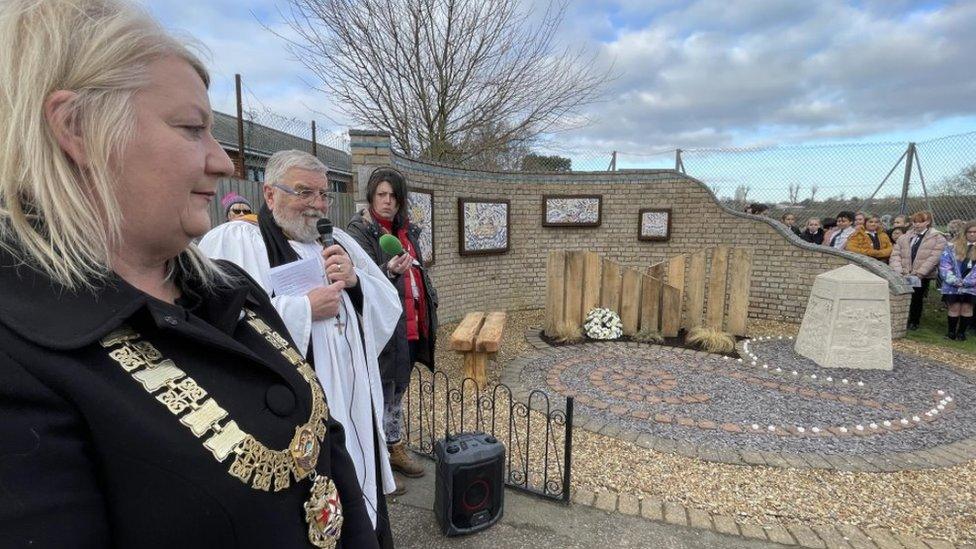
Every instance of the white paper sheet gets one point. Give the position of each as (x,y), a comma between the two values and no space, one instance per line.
(298,277)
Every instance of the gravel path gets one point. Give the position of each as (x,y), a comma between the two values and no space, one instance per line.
(638,382)
(935,503)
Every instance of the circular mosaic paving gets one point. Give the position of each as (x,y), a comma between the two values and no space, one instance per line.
(770,400)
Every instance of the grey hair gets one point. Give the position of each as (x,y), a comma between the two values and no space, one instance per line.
(282,161)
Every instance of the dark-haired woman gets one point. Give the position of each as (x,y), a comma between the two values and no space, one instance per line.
(416,332)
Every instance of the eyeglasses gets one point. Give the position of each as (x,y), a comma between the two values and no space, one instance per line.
(305,195)
(241,211)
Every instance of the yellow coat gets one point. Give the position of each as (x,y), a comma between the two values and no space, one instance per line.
(860,243)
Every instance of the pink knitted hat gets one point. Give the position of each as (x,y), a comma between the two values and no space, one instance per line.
(232,198)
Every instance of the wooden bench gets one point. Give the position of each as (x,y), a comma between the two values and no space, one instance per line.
(477,336)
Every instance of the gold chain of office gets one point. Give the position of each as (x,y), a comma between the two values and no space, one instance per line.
(254,463)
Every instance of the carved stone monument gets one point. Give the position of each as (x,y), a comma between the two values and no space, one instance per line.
(847,323)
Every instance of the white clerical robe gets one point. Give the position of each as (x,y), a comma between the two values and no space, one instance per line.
(350,377)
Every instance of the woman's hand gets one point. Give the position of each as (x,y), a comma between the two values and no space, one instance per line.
(399,264)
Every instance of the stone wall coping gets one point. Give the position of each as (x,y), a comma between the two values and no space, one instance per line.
(369,133)
(896,283)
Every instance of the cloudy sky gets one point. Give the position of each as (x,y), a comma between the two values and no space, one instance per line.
(709,73)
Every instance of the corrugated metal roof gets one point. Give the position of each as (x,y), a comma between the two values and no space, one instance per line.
(263,141)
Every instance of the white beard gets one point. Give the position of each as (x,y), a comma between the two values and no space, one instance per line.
(301,227)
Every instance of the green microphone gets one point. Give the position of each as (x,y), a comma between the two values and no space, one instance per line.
(391,245)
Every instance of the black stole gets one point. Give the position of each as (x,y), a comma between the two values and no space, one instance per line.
(275,241)
(279,253)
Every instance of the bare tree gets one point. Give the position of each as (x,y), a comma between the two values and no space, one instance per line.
(742,193)
(961,184)
(794,193)
(813,193)
(449,79)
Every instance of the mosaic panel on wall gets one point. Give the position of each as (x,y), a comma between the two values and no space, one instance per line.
(420,206)
(483,226)
(654,224)
(572,211)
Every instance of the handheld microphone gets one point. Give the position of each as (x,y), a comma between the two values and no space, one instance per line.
(391,245)
(324,227)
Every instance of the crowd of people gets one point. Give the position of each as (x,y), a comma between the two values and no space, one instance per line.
(913,248)
(162,383)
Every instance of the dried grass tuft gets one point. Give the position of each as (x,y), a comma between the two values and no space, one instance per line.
(567,332)
(711,340)
(646,335)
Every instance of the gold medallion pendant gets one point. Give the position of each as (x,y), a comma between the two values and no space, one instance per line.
(304,449)
(323,512)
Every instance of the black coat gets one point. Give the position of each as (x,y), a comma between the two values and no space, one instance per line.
(813,238)
(394,361)
(89,458)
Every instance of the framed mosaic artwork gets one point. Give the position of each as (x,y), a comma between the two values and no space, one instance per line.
(654,224)
(572,210)
(420,206)
(483,226)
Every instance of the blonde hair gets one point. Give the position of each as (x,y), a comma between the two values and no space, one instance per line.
(961,245)
(55,216)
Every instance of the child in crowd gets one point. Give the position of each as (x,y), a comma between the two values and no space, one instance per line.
(916,257)
(895,233)
(959,280)
(901,221)
(845,228)
(859,219)
(813,233)
(953,228)
(790,221)
(829,225)
(870,240)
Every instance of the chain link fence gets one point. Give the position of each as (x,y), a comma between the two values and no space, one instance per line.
(260,132)
(820,181)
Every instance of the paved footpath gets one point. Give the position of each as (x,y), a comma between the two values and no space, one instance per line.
(530,522)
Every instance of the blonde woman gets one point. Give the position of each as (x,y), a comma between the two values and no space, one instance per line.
(148,397)
(959,280)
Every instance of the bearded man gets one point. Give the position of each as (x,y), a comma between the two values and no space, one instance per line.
(324,323)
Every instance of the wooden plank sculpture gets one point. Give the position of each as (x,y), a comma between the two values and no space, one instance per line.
(578,281)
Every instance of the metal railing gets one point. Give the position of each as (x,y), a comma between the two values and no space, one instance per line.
(538,436)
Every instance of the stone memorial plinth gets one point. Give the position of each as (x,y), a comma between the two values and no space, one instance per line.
(847,323)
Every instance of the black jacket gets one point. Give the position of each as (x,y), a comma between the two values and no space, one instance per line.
(394,361)
(89,458)
(813,238)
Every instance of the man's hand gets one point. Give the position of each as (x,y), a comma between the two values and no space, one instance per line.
(338,266)
(399,264)
(325,300)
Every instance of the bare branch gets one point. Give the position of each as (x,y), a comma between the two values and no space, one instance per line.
(449,79)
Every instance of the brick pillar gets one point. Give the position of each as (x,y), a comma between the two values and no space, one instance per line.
(370,149)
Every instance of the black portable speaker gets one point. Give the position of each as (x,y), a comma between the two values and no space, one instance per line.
(469,484)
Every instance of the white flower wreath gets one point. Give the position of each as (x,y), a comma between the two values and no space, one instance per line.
(603,323)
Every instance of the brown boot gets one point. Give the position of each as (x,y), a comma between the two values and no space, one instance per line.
(401,461)
(400,487)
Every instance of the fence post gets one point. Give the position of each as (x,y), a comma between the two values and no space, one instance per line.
(679,164)
(242,171)
(568,450)
(315,148)
(909,156)
(613,162)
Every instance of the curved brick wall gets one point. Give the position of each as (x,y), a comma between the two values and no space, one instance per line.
(784,266)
